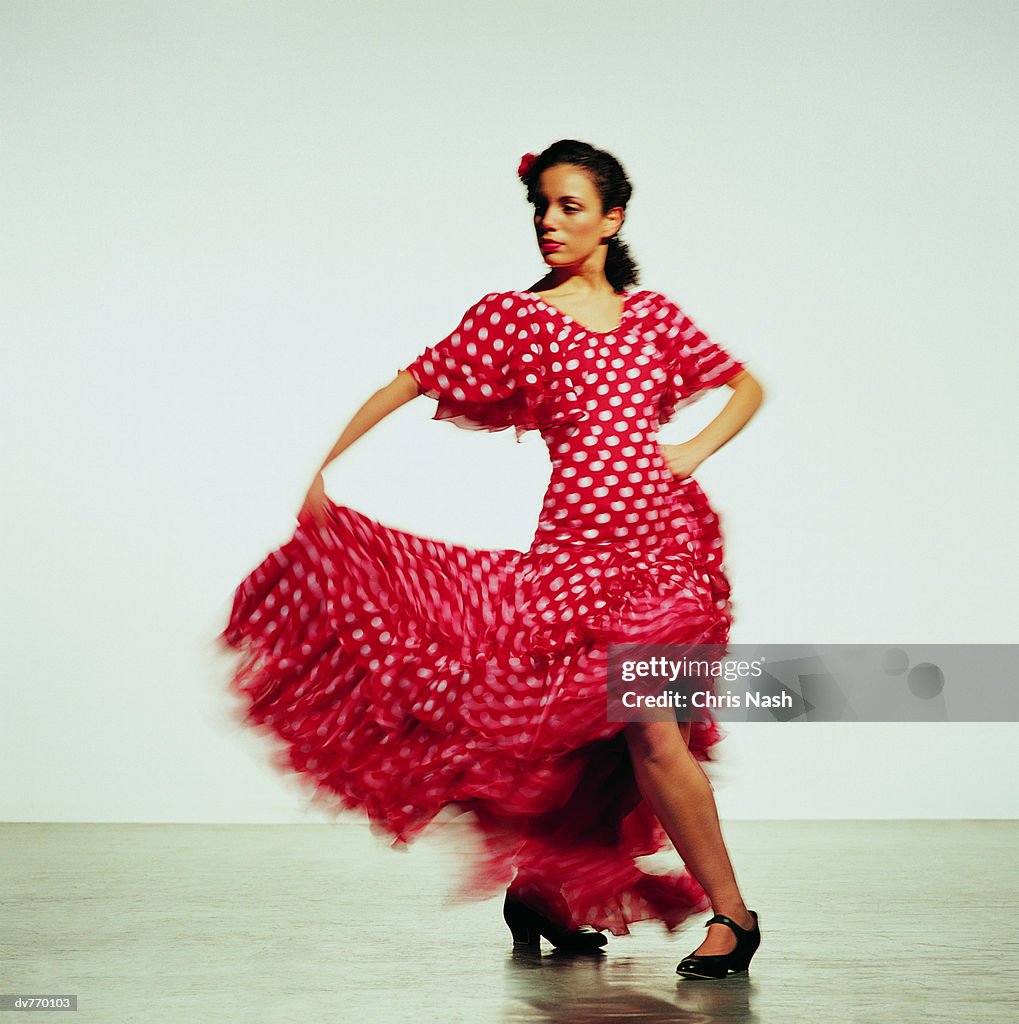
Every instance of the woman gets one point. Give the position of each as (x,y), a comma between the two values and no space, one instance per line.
(404,675)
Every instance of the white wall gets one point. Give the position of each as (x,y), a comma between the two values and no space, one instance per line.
(225,225)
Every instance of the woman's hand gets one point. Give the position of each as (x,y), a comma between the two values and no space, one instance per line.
(683,459)
(314,501)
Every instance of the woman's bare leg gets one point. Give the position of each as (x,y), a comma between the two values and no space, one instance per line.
(674,784)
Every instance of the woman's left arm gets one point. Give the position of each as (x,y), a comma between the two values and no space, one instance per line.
(683,459)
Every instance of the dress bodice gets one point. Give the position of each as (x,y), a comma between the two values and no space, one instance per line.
(598,399)
(609,481)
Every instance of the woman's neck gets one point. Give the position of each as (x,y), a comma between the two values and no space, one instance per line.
(568,281)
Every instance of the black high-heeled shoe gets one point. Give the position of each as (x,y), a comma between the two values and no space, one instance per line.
(528,926)
(721,965)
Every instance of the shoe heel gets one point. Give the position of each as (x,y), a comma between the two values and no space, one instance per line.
(748,945)
(522,922)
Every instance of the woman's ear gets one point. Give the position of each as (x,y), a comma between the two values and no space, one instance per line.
(613,222)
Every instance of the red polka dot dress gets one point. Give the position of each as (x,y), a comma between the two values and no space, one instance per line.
(404,676)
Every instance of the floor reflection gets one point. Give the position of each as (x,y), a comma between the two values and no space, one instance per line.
(572,988)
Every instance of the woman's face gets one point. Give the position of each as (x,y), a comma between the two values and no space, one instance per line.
(568,212)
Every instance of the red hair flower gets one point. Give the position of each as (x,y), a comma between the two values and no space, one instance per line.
(526,163)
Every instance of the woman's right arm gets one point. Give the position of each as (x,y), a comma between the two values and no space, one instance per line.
(397,392)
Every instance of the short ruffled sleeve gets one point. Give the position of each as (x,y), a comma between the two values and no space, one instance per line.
(485,375)
(694,363)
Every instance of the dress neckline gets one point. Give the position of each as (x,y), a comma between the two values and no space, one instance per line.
(569,319)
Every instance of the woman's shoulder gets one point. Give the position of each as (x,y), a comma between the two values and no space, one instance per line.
(651,299)
(655,310)
(497,322)
(506,299)
(497,307)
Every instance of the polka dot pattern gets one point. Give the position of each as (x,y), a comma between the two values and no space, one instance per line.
(406,677)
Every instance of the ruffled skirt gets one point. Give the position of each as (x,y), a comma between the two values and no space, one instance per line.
(403,677)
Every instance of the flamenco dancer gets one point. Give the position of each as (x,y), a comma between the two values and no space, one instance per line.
(405,676)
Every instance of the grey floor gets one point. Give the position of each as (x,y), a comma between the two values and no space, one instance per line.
(867,921)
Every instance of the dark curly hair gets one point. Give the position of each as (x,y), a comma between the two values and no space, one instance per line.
(613,186)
